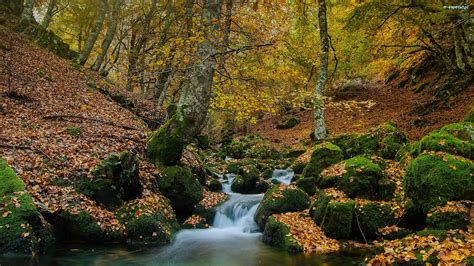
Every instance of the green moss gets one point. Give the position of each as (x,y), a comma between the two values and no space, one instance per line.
(150,229)
(9,181)
(246,183)
(166,144)
(215,185)
(74,131)
(448,220)
(362,178)
(463,131)
(180,186)
(438,141)
(433,180)
(251,146)
(19,217)
(336,218)
(307,184)
(280,199)
(370,217)
(83,227)
(324,155)
(298,167)
(356,144)
(290,123)
(277,234)
(203,141)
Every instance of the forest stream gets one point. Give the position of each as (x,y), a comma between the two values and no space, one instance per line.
(234,239)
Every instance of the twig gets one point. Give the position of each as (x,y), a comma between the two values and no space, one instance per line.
(360,229)
(67,117)
(335,57)
(18,147)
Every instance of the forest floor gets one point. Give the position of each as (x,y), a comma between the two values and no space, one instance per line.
(391,104)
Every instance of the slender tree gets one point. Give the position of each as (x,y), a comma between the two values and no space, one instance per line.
(49,13)
(109,36)
(27,14)
(319,125)
(92,38)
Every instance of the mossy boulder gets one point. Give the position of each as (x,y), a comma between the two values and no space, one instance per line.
(150,220)
(369,217)
(246,181)
(298,167)
(452,216)
(289,123)
(384,140)
(82,227)
(280,199)
(336,219)
(180,186)
(358,177)
(166,144)
(464,131)
(116,179)
(444,142)
(433,179)
(214,185)
(307,184)
(251,146)
(324,155)
(22,231)
(277,234)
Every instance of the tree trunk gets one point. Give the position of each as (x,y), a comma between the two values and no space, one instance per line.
(49,14)
(27,14)
(166,144)
(109,36)
(319,125)
(98,23)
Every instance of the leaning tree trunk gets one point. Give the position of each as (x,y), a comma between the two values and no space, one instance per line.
(27,14)
(49,14)
(319,125)
(166,144)
(89,44)
(109,36)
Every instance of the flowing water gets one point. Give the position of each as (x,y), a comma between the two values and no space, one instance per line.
(234,239)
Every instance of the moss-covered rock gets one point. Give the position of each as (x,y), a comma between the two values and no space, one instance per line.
(277,234)
(289,123)
(149,220)
(82,227)
(307,184)
(166,144)
(463,131)
(251,146)
(438,141)
(384,140)
(324,155)
(433,179)
(454,215)
(180,186)
(370,216)
(22,230)
(215,185)
(358,177)
(116,179)
(298,167)
(246,182)
(336,219)
(280,199)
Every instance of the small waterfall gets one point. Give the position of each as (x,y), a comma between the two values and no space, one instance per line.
(283,175)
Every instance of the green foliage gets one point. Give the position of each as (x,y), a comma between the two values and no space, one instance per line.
(433,179)
(463,131)
(447,220)
(277,234)
(180,186)
(391,76)
(324,155)
(74,131)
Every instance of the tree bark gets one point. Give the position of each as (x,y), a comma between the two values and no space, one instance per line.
(167,143)
(319,124)
(27,13)
(98,24)
(49,14)
(109,36)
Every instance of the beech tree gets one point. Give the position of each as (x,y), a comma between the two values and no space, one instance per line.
(49,13)
(319,125)
(27,13)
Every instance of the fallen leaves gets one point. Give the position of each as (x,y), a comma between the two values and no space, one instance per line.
(212,199)
(307,234)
